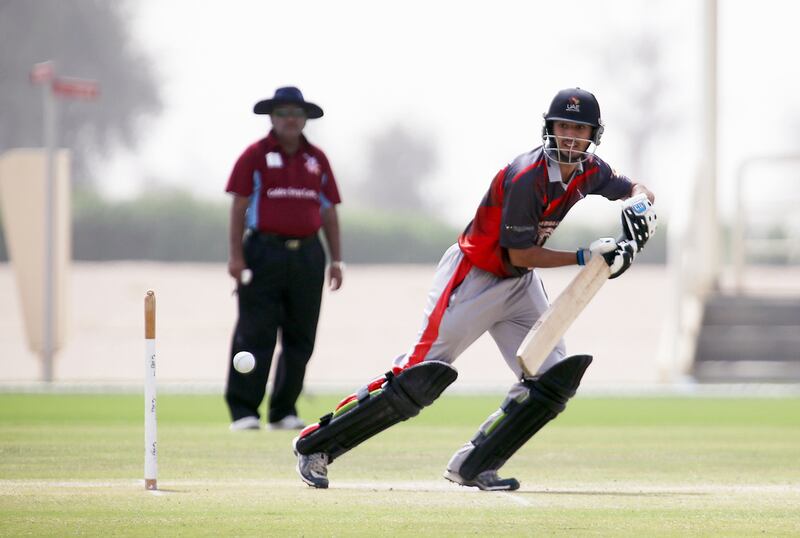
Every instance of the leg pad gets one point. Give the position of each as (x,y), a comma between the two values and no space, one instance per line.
(373,409)
(519,420)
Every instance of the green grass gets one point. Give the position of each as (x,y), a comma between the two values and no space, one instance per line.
(72,465)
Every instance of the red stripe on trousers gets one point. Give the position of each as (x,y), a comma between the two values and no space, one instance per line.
(431,332)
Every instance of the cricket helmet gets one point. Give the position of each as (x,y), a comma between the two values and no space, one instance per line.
(576,106)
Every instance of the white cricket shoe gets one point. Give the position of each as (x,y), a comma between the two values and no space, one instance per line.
(245,423)
(487,481)
(289,422)
(312,468)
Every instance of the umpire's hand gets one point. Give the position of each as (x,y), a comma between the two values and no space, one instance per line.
(235,267)
(336,275)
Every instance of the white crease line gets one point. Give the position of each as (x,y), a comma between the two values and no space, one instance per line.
(399,486)
(517,499)
(438,485)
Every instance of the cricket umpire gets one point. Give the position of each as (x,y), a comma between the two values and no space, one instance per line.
(283,192)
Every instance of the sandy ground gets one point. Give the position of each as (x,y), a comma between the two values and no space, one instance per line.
(373,318)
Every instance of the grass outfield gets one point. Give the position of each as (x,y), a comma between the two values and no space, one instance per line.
(72,465)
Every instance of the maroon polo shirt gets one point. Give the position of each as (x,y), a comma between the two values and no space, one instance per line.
(286,192)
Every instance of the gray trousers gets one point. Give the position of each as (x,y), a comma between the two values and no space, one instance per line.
(506,307)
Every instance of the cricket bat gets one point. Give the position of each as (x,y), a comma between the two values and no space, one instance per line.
(548,330)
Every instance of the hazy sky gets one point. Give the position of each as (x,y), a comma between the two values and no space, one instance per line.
(473,77)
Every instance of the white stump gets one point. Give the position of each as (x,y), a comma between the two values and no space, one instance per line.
(150,424)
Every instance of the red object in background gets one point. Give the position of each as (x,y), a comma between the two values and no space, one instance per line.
(42,72)
(76,88)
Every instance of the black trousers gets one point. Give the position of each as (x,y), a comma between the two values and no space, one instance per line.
(285,293)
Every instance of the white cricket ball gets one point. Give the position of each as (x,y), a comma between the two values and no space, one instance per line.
(244,362)
(247,277)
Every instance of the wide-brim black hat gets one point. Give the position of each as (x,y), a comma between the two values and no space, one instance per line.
(288,95)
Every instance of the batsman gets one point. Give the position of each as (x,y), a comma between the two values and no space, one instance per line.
(488,281)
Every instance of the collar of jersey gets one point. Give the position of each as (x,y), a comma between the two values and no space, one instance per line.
(271,142)
(554,172)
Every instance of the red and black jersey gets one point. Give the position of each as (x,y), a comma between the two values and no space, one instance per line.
(526,201)
(286,191)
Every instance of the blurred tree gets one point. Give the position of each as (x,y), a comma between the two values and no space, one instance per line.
(646,108)
(85,38)
(398,162)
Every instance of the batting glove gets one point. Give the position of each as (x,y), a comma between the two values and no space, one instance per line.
(639,220)
(599,246)
(620,258)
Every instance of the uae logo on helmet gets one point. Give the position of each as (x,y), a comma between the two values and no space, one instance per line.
(574,104)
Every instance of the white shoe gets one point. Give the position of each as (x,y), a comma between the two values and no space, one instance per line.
(487,481)
(289,422)
(245,423)
(312,468)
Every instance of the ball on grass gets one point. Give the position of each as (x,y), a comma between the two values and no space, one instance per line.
(244,362)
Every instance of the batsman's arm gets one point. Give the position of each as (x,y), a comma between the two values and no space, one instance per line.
(236,233)
(638,188)
(541,257)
